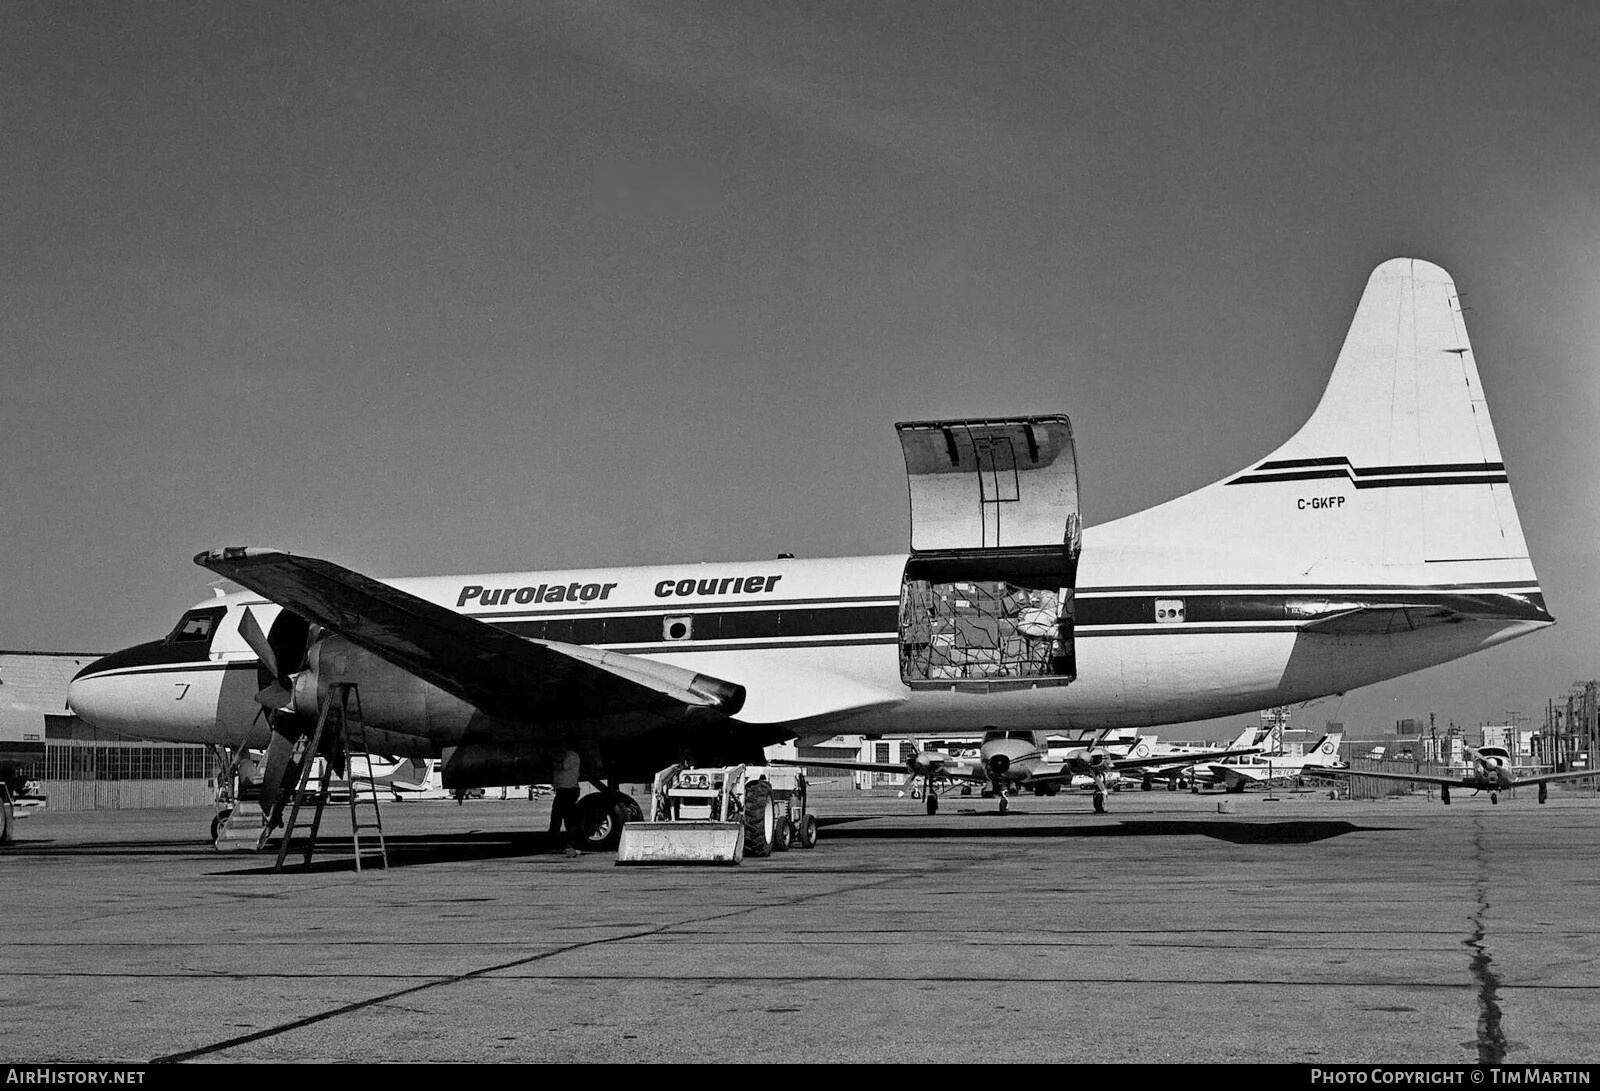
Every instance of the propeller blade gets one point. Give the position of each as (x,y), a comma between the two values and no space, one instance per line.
(250,629)
(275,773)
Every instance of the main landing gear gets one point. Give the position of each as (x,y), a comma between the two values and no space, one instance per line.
(600,817)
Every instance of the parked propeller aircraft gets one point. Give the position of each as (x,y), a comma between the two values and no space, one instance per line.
(1380,539)
(1491,772)
(1182,765)
(1012,761)
(1236,776)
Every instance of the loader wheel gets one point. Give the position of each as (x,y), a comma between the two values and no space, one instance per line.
(808,832)
(758,824)
(783,836)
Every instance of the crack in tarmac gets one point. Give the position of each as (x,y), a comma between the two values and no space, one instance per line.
(1491,1036)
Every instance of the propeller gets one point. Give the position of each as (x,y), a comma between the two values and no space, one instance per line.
(278,693)
(282,654)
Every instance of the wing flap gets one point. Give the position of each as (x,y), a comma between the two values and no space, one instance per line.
(505,675)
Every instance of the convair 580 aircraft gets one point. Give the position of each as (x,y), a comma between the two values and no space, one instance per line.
(1380,539)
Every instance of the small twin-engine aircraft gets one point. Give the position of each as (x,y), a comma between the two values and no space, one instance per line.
(1380,539)
(1236,776)
(1491,772)
(1016,761)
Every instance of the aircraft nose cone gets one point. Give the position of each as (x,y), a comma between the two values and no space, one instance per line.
(95,698)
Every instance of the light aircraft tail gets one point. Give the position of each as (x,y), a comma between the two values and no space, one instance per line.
(1325,752)
(411,775)
(1397,469)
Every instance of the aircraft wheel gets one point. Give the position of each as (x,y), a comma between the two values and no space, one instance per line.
(1005,804)
(808,832)
(1099,803)
(1148,784)
(783,836)
(1494,797)
(216,823)
(1544,792)
(758,823)
(600,817)
(933,803)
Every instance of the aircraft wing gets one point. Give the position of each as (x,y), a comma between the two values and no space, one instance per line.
(1457,782)
(956,767)
(1414,778)
(845,763)
(504,675)
(1184,760)
(1546,778)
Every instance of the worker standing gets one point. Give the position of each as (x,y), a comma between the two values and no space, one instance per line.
(564,807)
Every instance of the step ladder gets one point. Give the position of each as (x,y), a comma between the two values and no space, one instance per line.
(340,714)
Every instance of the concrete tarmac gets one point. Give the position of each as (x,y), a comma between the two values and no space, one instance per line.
(1297,929)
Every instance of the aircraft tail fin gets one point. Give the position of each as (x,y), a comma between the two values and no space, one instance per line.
(410,775)
(1326,751)
(1398,466)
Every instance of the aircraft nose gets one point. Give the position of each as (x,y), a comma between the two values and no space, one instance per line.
(146,689)
(100,695)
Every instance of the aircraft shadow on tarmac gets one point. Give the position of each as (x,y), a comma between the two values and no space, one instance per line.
(1239,833)
(334,853)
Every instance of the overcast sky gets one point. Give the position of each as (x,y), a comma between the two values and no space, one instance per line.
(429,288)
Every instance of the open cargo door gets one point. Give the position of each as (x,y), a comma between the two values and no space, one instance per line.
(986,598)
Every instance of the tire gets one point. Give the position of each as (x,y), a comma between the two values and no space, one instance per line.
(808,832)
(599,818)
(933,803)
(783,836)
(758,823)
(216,824)
(1099,803)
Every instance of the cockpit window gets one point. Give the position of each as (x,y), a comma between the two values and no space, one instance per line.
(196,626)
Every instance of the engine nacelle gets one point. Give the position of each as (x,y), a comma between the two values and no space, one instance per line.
(393,700)
(489,765)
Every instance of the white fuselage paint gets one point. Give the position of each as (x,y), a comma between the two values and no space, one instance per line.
(1127,675)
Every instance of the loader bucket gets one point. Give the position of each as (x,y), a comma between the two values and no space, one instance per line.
(681,843)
